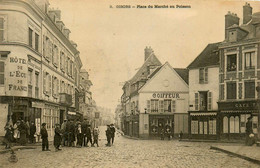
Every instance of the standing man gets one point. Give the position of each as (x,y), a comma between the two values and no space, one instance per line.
(249,130)
(64,131)
(95,135)
(44,135)
(32,132)
(108,134)
(84,131)
(88,135)
(113,130)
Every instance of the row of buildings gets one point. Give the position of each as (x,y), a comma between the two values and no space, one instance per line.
(210,99)
(41,75)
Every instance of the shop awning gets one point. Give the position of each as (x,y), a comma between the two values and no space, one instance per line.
(203,114)
(239,111)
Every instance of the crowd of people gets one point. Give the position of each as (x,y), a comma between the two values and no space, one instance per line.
(22,132)
(70,133)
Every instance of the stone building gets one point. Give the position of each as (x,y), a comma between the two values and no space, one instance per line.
(39,64)
(156,100)
(239,74)
(204,94)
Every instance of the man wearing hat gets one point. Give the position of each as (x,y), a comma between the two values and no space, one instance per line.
(249,129)
(44,136)
(64,132)
(108,134)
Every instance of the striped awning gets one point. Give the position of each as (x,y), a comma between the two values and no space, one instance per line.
(203,114)
(239,111)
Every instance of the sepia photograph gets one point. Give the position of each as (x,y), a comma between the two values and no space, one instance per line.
(129,83)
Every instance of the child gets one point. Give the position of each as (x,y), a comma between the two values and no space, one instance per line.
(44,136)
(95,134)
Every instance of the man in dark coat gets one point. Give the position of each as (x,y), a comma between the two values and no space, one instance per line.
(44,136)
(84,131)
(57,137)
(113,130)
(249,130)
(108,134)
(88,135)
(71,133)
(32,132)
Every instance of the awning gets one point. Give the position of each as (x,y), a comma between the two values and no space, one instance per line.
(203,114)
(71,113)
(239,111)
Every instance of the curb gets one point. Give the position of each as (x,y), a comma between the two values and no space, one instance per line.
(237,155)
(16,149)
(211,141)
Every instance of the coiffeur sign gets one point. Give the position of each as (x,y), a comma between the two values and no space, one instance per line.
(16,76)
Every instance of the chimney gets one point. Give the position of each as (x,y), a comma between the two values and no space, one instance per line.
(147,52)
(247,13)
(57,12)
(73,44)
(66,33)
(230,20)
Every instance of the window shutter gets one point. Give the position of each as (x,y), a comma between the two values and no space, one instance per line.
(44,81)
(206,75)
(49,78)
(161,106)
(173,106)
(196,101)
(148,106)
(209,100)
(2,20)
(57,92)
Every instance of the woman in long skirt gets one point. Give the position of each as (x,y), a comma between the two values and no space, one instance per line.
(57,137)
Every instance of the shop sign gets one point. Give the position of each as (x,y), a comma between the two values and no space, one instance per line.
(244,105)
(71,113)
(96,114)
(17,76)
(170,95)
(38,105)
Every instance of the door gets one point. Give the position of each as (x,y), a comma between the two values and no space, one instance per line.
(17,116)
(161,124)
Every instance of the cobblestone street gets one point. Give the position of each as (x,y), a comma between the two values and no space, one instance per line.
(128,153)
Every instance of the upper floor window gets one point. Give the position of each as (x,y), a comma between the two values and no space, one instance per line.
(250,89)
(30,74)
(30,37)
(161,106)
(250,60)
(2,27)
(231,90)
(232,62)
(2,73)
(203,101)
(36,42)
(203,75)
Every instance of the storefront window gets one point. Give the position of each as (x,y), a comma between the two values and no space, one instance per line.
(201,127)
(194,127)
(205,127)
(225,124)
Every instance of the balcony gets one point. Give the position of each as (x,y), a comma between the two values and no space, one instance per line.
(65,99)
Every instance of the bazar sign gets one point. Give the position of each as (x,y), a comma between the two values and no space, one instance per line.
(166,95)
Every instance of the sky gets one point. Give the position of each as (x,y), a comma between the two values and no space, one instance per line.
(111,41)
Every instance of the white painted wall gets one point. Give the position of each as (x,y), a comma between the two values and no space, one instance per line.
(212,86)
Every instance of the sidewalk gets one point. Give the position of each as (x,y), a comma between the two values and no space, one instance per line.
(250,153)
(18,147)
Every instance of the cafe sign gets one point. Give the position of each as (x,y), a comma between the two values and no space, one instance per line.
(243,105)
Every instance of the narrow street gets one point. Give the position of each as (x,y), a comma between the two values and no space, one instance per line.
(128,153)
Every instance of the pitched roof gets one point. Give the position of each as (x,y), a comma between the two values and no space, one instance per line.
(151,60)
(183,73)
(208,57)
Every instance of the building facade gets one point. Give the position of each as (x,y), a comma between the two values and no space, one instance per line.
(204,94)
(39,64)
(239,74)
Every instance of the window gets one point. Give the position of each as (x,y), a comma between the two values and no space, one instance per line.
(36,42)
(30,76)
(203,101)
(154,105)
(30,37)
(232,62)
(62,61)
(47,83)
(250,60)
(203,75)
(250,89)
(2,73)
(167,106)
(231,90)
(55,55)
(37,85)
(2,29)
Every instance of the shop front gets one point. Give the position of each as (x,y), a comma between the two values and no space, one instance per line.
(233,118)
(159,123)
(203,125)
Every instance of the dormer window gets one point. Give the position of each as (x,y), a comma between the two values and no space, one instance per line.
(232,62)
(232,36)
